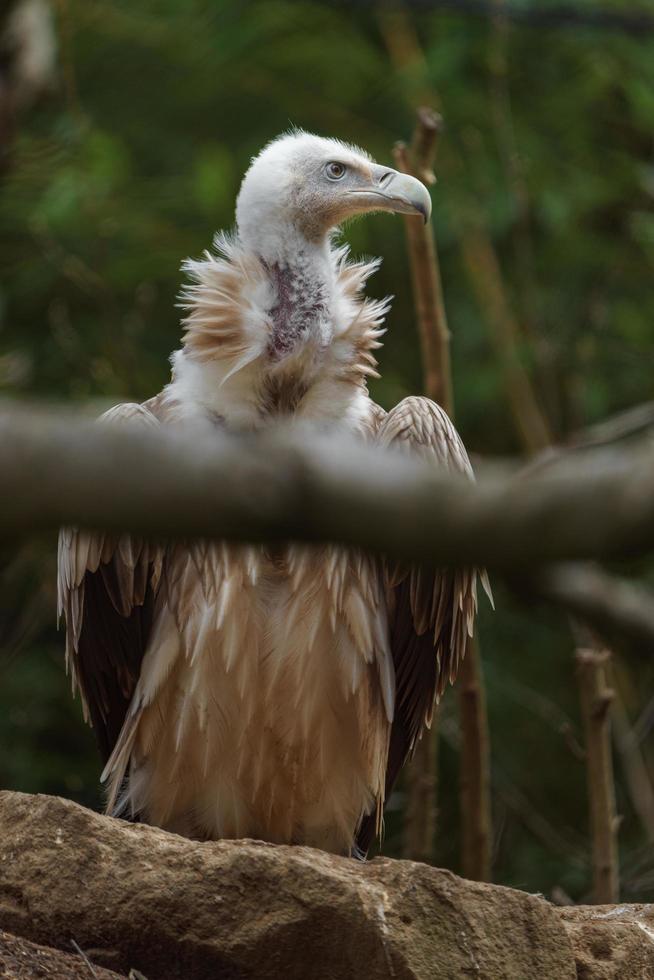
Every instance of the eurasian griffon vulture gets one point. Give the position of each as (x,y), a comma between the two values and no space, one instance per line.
(273,693)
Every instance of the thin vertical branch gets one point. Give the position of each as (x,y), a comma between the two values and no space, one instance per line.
(485,273)
(596,698)
(474,774)
(421,775)
(420,820)
(425,272)
(480,257)
(408,57)
(421,785)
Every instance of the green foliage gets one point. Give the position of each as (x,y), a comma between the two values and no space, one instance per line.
(133,163)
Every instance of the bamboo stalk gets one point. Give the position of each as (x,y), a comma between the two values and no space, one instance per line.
(596,698)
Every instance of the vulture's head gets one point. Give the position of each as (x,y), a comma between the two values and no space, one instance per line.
(305,185)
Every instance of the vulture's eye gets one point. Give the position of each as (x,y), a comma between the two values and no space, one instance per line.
(335,171)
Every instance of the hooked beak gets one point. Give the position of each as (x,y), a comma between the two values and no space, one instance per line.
(397,192)
(406,195)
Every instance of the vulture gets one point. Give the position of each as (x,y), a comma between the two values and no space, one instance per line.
(270,692)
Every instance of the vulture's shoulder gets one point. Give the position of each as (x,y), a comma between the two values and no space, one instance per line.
(163,408)
(375,419)
(421,426)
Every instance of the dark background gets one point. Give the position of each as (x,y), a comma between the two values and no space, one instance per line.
(122,153)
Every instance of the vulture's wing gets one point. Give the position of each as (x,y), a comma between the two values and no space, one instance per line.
(106,588)
(431,613)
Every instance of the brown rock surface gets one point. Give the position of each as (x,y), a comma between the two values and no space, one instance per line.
(135,897)
(23,960)
(612,942)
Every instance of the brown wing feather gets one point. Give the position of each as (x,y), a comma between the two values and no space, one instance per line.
(106,586)
(431,613)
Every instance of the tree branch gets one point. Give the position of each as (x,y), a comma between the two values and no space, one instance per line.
(621,612)
(435,346)
(421,808)
(425,271)
(596,699)
(474,772)
(632,422)
(418,159)
(305,485)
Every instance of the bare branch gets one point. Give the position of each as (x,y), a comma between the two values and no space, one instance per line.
(622,612)
(305,485)
(421,808)
(421,777)
(632,421)
(425,271)
(596,698)
(435,346)
(422,152)
(81,953)
(625,425)
(474,775)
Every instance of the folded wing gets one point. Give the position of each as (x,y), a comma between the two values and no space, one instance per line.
(107,584)
(431,612)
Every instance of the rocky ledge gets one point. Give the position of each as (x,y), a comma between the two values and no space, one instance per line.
(100,895)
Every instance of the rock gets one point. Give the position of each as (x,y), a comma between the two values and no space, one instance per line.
(136,897)
(612,942)
(23,960)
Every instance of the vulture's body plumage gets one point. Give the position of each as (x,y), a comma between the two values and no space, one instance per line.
(241,691)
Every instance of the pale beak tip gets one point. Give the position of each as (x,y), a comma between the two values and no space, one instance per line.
(424,208)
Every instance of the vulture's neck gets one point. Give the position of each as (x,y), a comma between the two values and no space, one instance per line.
(301,273)
(277,327)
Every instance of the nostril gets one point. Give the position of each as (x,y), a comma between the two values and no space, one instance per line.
(385,177)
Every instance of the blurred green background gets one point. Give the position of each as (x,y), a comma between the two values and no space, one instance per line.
(125,128)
